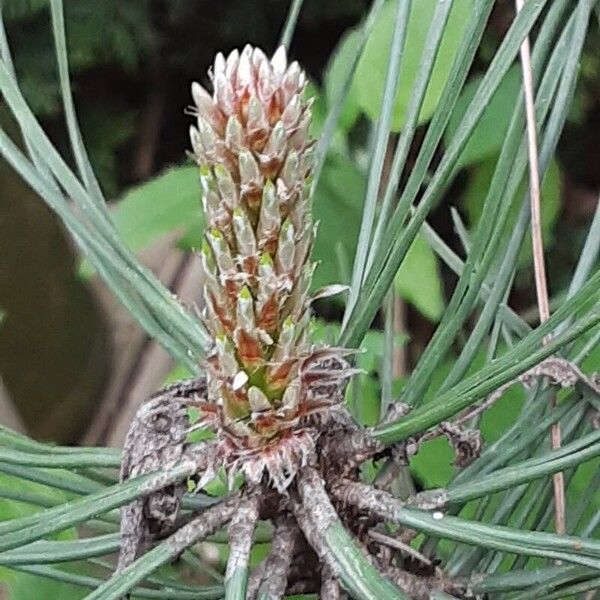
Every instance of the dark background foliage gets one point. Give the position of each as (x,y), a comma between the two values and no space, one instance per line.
(131,64)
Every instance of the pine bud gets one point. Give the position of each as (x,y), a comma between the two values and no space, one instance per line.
(252,145)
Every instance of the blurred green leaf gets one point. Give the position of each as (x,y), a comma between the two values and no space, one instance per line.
(98,33)
(488,136)
(18,9)
(168,203)
(23,586)
(369,360)
(337,207)
(178,373)
(418,280)
(592,360)
(502,414)
(372,345)
(338,66)
(11,509)
(432,465)
(476,191)
(104,142)
(579,487)
(372,68)
(108,31)
(319,107)
(320,111)
(366,405)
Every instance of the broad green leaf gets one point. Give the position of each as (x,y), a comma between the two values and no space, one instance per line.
(335,74)
(372,68)
(12,509)
(488,136)
(367,410)
(178,373)
(168,203)
(432,465)
(418,280)
(320,110)
(579,487)
(319,107)
(550,197)
(369,360)
(105,142)
(337,207)
(502,414)
(171,202)
(372,346)
(592,361)
(24,586)
(18,9)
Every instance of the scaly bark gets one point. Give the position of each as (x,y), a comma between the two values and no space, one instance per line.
(277,564)
(156,437)
(241,534)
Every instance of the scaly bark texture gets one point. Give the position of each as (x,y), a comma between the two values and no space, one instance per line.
(156,437)
(255,156)
(275,568)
